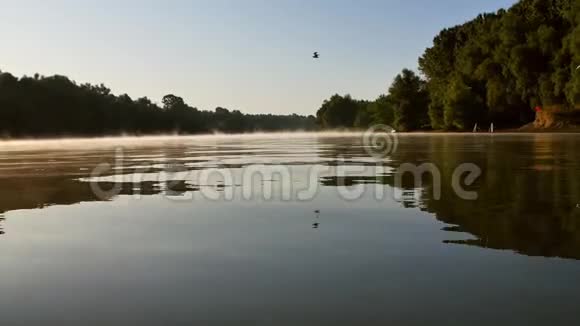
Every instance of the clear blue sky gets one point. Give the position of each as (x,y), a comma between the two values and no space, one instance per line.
(251,55)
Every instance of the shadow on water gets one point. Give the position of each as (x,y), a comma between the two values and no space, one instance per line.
(528,193)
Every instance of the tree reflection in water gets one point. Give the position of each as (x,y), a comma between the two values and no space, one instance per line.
(528,194)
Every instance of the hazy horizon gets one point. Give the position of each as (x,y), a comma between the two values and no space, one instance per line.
(253,56)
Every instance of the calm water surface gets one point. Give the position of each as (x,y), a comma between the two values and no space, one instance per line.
(180,235)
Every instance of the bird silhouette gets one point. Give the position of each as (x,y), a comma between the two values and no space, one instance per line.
(315,225)
(315,55)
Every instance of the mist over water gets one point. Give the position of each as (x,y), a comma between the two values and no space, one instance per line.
(64,143)
(157,140)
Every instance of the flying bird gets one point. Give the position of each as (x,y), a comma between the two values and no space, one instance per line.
(577,67)
(315,55)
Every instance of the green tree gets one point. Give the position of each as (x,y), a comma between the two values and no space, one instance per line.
(511,61)
(463,107)
(338,112)
(410,99)
(382,110)
(56,106)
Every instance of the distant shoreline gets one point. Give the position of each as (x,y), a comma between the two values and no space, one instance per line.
(136,139)
(509,131)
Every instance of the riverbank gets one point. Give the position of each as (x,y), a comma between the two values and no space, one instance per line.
(548,121)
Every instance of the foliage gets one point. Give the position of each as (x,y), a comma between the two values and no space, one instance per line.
(498,66)
(57,106)
(410,99)
(494,68)
(405,107)
(339,112)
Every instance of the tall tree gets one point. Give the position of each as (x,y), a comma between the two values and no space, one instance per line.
(509,62)
(410,98)
(338,112)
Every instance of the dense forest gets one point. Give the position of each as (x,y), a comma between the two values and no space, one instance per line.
(498,67)
(56,106)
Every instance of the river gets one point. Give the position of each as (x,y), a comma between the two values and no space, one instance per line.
(307,229)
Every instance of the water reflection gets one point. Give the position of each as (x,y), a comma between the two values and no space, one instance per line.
(526,195)
(316,224)
(527,201)
(41,193)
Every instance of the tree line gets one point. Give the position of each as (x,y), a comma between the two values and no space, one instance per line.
(56,106)
(495,68)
